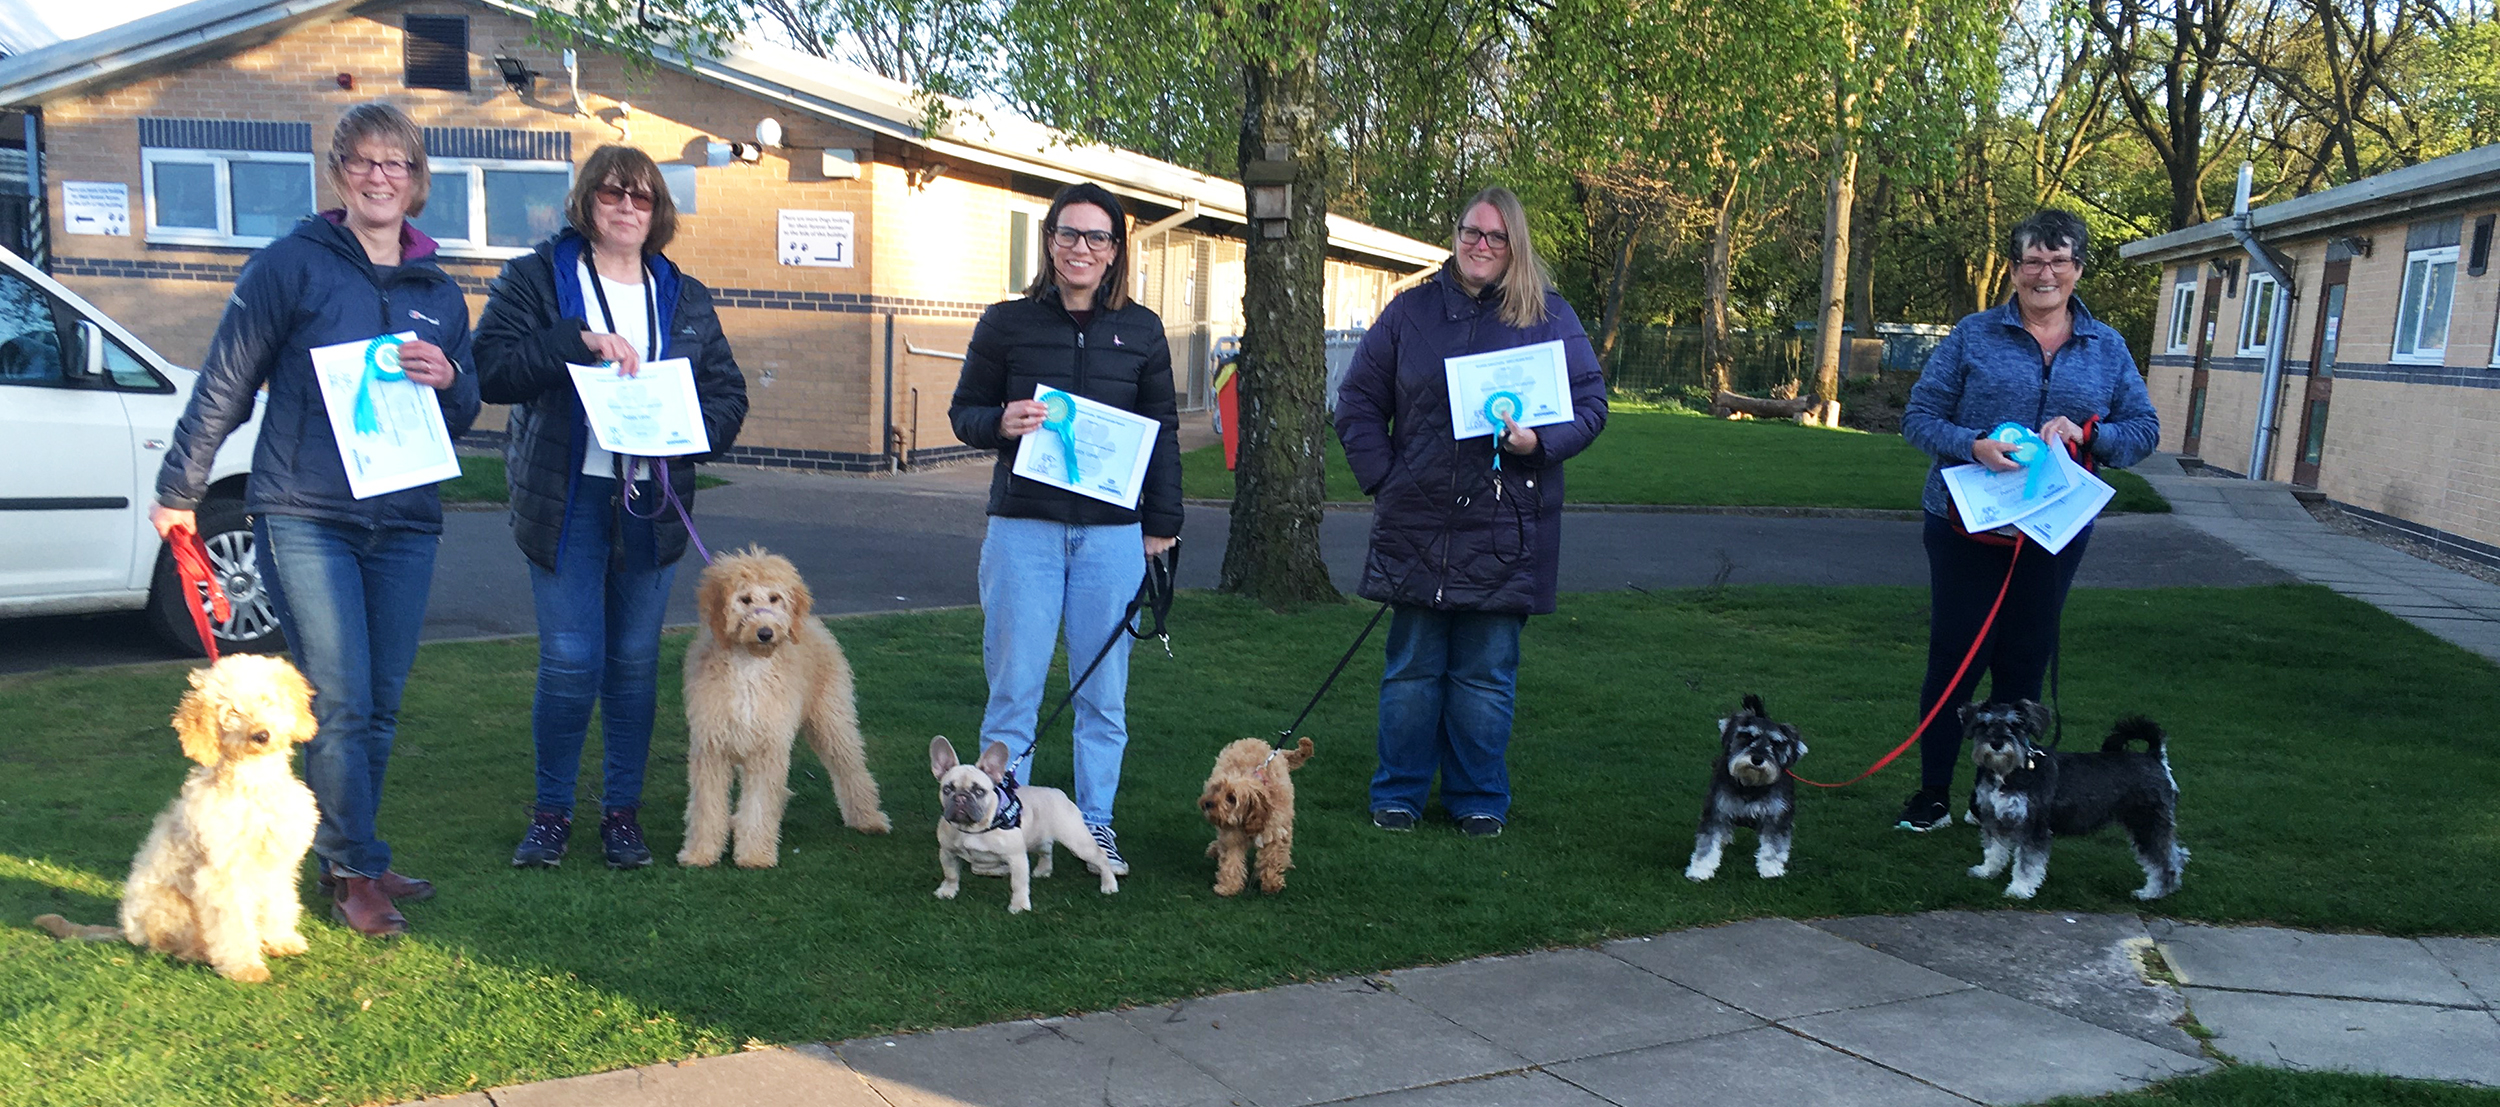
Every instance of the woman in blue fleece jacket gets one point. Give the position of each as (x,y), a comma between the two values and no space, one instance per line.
(2040,360)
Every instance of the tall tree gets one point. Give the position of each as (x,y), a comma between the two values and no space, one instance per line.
(2175,70)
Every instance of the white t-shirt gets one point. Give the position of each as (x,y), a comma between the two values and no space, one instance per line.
(635,306)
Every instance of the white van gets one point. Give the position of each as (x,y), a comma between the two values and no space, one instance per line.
(86,411)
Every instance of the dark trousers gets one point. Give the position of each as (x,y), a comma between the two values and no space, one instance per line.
(1963,575)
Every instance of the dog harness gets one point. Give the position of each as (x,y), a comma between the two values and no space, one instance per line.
(1010,809)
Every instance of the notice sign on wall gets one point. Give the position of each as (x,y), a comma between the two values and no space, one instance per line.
(821,238)
(96,207)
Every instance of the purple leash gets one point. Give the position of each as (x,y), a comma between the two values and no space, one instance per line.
(668,495)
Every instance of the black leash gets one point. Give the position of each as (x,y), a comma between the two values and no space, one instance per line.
(1154,598)
(1285,737)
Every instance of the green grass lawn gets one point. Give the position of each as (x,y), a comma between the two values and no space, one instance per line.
(2296,716)
(2249,1086)
(1654,455)
(481,481)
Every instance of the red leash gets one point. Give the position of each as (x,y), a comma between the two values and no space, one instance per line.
(1984,626)
(199,580)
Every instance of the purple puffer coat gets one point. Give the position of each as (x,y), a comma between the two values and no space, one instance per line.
(1448,532)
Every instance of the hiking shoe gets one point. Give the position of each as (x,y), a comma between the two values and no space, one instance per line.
(1110,844)
(1390,818)
(1480,826)
(620,837)
(543,846)
(1925,810)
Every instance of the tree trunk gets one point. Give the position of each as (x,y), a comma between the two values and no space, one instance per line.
(1862,258)
(1725,404)
(1273,555)
(1618,281)
(1714,281)
(1837,200)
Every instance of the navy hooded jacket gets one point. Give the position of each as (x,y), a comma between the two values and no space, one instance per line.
(314,288)
(1442,536)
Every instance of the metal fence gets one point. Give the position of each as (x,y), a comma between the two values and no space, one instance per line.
(1668,359)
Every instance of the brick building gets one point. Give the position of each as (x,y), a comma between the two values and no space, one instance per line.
(2379,383)
(851,253)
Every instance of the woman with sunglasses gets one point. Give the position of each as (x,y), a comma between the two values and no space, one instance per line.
(2042,362)
(1053,558)
(603,532)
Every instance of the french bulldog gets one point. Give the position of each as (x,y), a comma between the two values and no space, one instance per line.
(992,823)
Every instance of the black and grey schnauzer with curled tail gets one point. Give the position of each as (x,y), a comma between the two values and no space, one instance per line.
(1750,787)
(2028,795)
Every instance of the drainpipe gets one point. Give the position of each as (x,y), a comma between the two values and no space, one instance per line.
(2265,259)
(885,434)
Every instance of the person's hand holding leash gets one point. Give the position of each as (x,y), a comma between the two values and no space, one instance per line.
(1155,546)
(167,520)
(2062,430)
(1515,438)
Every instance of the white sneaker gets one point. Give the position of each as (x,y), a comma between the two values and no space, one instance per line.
(1110,843)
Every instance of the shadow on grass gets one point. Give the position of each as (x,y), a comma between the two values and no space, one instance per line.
(2296,715)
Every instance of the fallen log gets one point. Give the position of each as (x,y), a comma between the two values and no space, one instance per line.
(1726,404)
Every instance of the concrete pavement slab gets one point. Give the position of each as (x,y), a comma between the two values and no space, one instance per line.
(1778,969)
(2271,959)
(1996,1049)
(2476,961)
(2073,964)
(1311,1043)
(799,1076)
(1769,1067)
(1097,1058)
(2310,1032)
(1518,1089)
(1564,1004)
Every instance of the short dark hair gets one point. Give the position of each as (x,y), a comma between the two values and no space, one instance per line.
(2049,229)
(1112,294)
(633,169)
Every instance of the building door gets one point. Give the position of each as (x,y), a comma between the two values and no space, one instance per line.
(2204,356)
(2321,373)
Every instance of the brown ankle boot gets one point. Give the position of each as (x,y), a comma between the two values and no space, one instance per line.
(394,884)
(363,908)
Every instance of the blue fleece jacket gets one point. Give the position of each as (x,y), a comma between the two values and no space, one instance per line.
(1989,371)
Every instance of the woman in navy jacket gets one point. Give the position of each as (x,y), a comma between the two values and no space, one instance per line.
(348,576)
(1464,547)
(2042,361)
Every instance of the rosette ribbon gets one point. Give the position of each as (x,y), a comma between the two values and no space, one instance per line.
(2030,452)
(1059,416)
(1497,407)
(381,364)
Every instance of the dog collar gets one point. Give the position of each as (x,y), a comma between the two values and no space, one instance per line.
(1010,809)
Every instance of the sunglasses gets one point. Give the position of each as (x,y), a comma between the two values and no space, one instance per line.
(613,196)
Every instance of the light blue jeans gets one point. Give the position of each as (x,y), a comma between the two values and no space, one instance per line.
(1036,576)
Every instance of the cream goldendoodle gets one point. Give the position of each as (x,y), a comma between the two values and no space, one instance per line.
(1249,800)
(760,668)
(215,880)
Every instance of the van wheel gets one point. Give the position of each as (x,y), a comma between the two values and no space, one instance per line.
(253,627)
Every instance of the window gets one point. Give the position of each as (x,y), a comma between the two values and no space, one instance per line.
(1024,221)
(2422,311)
(2257,315)
(492,206)
(435,49)
(225,197)
(2183,310)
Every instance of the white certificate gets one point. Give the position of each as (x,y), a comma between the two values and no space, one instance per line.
(1989,499)
(652,414)
(1111,448)
(2065,516)
(1532,383)
(390,429)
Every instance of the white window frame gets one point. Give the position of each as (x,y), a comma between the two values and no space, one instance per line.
(2183,313)
(1034,213)
(470,175)
(2437,355)
(152,156)
(2256,338)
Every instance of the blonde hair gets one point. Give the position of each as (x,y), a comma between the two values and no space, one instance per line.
(1525,283)
(376,121)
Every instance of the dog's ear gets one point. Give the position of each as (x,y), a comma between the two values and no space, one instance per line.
(802,601)
(1753,703)
(1255,806)
(298,692)
(2036,716)
(941,756)
(711,604)
(1966,713)
(195,722)
(1794,737)
(994,761)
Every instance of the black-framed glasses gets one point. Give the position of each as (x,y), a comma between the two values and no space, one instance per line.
(613,196)
(355,165)
(1068,237)
(1470,236)
(2033,267)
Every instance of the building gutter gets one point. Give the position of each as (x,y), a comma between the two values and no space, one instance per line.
(2274,264)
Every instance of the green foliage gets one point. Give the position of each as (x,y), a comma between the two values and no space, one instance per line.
(481,481)
(2252,1086)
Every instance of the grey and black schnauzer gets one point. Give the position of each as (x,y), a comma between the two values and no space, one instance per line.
(2028,794)
(1749,786)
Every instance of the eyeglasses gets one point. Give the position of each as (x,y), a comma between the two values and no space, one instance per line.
(613,196)
(2033,267)
(358,166)
(1470,236)
(1068,237)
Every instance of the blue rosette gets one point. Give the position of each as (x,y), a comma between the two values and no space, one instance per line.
(381,364)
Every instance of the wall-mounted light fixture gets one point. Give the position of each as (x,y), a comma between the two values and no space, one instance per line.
(768,132)
(2358,245)
(717,154)
(516,76)
(2228,272)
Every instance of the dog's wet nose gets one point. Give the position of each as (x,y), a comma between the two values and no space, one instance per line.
(764,634)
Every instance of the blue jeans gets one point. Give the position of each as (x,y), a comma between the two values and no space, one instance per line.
(352,601)
(599,617)
(1446,697)
(1035,576)
(1963,576)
